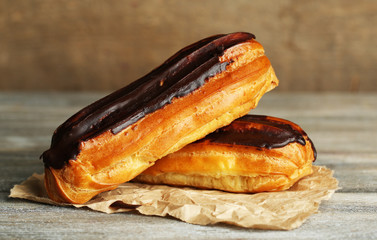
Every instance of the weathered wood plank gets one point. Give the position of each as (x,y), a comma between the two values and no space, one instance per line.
(345,216)
(16,167)
(343,128)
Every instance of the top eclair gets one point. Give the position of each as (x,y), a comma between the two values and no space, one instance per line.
(201,88)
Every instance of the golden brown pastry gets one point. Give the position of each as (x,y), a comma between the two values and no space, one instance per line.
(253,154)
(199,89)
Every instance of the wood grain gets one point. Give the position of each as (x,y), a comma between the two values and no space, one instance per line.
(103,45)
(342,127)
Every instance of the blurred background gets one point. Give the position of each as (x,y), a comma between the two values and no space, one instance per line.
(92,45)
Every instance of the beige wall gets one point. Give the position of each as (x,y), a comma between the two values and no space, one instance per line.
(327,45)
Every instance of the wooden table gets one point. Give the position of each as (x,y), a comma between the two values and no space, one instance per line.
(342,126)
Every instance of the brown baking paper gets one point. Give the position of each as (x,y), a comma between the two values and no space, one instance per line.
(273,210)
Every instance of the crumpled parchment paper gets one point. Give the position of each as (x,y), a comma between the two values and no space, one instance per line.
(271,210)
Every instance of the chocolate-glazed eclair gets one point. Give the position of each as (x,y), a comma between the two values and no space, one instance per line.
(199,89)
(253,154)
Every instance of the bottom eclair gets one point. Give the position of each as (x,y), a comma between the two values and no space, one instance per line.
(253,154)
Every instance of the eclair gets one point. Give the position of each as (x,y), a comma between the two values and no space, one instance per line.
(201,88)
(253,154)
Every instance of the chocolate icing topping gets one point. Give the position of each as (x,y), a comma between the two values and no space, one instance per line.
(180,75)
(259,131)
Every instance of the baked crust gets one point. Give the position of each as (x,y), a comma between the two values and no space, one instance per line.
(109,159)
(236,168)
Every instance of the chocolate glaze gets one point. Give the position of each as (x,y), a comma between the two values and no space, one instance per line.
(261,132)
(180,75)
